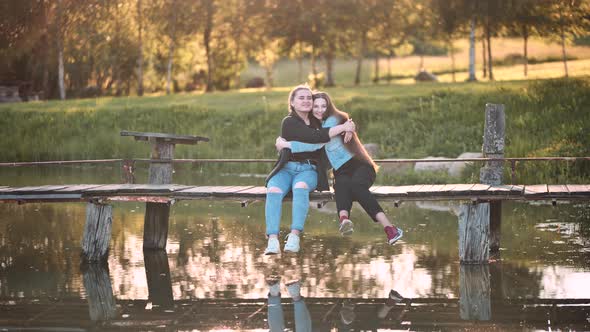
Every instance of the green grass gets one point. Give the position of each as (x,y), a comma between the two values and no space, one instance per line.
(544,118)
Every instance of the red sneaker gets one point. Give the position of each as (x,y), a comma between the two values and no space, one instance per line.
(393,234)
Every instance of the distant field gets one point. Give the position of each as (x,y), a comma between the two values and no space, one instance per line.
(286,70)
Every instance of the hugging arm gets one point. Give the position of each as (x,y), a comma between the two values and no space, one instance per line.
(330,123)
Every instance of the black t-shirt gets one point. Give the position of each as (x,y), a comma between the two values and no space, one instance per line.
(295,129)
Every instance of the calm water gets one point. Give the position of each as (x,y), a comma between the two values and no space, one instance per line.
(213,274)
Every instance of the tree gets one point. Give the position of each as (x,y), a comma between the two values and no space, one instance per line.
(390,35)
(525,18)
(449,18)
(174,21)
(492,14)
(567,18)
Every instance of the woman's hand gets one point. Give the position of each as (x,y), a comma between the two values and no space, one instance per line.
(341,128)
(281,143)
(348,136)
(349,125)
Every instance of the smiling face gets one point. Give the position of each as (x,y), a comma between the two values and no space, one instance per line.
(302,100)
(320,105)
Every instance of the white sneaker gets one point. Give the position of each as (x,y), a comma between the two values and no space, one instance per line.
(346,227)
(292,244)
(294,290)
(273,246)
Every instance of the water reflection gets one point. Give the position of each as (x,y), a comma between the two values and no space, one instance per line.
(214,262)
(215,250)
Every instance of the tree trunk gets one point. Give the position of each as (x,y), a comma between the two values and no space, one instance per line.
(169,68)
(171,52)
(207,42)
(484,57)
(359,59)
(237,77)
(330,68)
(376,73)
(564,52)
(60,52)
(269,79)
(526,57)
(452,59)
(389,68)
(300,64)
(140,49)
(489,42)
(314,69)
(472,52)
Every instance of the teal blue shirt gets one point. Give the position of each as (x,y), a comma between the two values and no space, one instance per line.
(336,152)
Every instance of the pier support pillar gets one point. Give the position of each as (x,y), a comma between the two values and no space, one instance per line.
(491,173)
(474,292)
(99,292)
(480,224)
(97,232)
(155,226)
(474,233)
(157,274)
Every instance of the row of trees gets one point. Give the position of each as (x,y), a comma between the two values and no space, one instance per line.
(127,46)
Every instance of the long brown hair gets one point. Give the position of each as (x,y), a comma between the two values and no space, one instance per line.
(354,145)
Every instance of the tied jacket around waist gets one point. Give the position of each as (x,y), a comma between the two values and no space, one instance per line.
(294,129)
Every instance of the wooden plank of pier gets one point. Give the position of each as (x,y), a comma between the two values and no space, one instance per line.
(483,192)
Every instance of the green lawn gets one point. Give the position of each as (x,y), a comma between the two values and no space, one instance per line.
(544,118)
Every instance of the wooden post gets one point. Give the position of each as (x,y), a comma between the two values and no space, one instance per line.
(155,226)
(473,233)
(475,225)
(161,165)
(157,273)
(474,292)
(97,232)
(155,230)
(491,173)
(99,292)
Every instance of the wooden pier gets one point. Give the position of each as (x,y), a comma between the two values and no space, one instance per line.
(166,193)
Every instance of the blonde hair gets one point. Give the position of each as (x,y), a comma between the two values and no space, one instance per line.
(354,145)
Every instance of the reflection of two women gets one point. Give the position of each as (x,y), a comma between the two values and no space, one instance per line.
(341,315)
(276,321)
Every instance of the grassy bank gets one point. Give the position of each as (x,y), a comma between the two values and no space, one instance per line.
(544,118)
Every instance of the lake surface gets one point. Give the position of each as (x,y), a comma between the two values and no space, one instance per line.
(214,276)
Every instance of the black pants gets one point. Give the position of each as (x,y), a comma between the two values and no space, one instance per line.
(352,183)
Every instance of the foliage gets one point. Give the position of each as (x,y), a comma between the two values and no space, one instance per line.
(215,39)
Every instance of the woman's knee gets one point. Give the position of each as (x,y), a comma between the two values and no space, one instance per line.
(301,184)
(275,190)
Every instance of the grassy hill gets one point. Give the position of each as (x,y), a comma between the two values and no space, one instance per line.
(544,118)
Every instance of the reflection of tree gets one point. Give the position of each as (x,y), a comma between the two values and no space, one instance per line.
(40,247)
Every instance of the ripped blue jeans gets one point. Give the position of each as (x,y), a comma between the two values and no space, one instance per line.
(292,173)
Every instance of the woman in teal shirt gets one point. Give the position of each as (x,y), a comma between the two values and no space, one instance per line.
(354,170)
